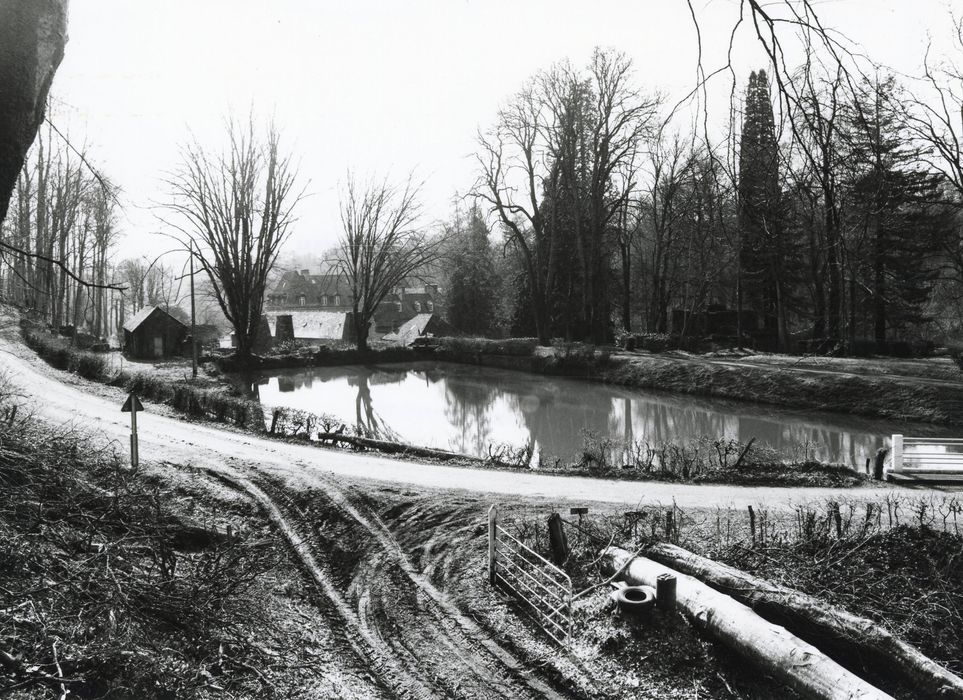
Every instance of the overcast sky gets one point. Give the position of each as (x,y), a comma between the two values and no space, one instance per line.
(377,86)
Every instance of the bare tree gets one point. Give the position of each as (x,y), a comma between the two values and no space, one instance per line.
(599,168)
(558,169)
(665,204)
(514,167)
(937,119)
(233,211)
(381,246)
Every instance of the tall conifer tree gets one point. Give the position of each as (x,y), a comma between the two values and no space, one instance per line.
(763,253)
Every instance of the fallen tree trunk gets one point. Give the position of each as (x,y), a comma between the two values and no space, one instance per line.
(850,636)
(773,648)
(389,447)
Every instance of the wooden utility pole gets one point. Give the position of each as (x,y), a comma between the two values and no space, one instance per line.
(193,322)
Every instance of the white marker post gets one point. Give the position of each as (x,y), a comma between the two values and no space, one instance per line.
(132,405)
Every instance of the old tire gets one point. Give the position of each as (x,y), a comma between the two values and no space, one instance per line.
(635,600)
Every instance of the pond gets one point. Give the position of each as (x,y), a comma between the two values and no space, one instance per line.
(470,409)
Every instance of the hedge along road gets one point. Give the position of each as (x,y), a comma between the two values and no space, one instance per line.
(163,438)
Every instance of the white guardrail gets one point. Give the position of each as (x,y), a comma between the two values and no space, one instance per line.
(543,591)
(932,456)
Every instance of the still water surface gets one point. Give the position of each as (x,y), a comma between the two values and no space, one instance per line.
(467,409)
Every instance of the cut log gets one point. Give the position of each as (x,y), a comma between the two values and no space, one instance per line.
(773,648)
(389,447)
(846,636)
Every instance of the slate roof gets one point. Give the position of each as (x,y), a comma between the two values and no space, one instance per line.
(131,324)
(312,324)
(294,284)
(420,325)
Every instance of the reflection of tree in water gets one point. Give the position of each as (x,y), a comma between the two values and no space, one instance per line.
(468,402)
(248,385)
(556,415)
(658,421)
(367,419)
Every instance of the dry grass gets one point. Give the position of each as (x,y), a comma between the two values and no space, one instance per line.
(898,561)
(105,589)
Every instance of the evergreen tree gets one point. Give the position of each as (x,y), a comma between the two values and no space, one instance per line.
(764,250)
(473,283)
(897,216)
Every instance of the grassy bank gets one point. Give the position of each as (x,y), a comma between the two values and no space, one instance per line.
(866,395)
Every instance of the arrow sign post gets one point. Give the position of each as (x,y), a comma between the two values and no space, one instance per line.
(132,405)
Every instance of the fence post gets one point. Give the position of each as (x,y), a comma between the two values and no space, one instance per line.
(492,524)
(897,453)
(557,540)
(665,591)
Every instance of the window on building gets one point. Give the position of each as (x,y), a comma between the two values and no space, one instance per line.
(302,300)
(430,305)
(417,307)
(284,299)
(337,300)
(324,300)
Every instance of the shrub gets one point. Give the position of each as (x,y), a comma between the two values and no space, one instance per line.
(289,422)
(867,347)
(955,351)
(147,386)
(188,399)
(652,342)
(90,366)
(288,347)
(518,347)
(579,356)
(60,354)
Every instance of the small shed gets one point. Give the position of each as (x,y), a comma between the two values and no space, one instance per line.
(153,333)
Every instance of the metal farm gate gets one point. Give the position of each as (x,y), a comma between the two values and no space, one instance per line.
(542,589)
(926,458)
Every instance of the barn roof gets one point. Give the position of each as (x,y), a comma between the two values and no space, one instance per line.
(131,324)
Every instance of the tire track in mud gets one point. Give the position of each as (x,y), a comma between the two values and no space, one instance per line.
(419,643)
(369,649)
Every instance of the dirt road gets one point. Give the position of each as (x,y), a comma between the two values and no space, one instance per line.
(168,439)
